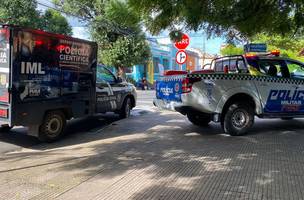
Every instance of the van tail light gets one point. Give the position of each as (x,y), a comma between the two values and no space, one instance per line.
(4,97)
(187,84)
(4,113)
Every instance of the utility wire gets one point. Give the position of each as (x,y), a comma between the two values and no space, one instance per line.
(61,11)
(105,24)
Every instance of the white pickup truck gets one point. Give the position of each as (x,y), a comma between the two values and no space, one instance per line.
(234,90)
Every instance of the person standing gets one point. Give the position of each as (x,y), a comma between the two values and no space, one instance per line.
(144,84)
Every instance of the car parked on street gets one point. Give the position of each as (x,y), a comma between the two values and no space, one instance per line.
(235,90)
(46,79)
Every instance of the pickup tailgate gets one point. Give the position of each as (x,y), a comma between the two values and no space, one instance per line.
(169,89)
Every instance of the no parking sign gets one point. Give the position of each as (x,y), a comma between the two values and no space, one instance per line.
(181,57)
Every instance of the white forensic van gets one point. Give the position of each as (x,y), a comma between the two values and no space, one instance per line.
(234,90)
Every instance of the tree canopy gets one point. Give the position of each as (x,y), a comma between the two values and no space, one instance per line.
(232,18)
(19,12)
(53,21)
(231,49)
(289,47)
(25,13)
(115,27)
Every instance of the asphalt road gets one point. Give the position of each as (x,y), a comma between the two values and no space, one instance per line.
(81,130)
(76,129)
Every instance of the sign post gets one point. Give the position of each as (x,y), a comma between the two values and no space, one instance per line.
(181,55)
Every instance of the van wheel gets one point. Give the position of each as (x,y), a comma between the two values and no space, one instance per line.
(5,128)
(125,110)
(52,127)
(199,119)
(238,119)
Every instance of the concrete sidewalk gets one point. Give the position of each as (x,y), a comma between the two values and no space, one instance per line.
(160,156)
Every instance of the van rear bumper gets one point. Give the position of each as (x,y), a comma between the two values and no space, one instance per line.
(5,122)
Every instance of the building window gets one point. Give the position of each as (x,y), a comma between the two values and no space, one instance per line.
(156,62)
(166,64)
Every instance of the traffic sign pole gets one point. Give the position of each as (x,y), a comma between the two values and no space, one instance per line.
(181,55)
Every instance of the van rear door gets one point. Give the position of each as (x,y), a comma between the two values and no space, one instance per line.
(4,75)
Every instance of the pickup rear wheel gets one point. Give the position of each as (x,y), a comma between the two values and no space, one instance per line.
(125,110)
(199,119)
(52,127)
(238,119)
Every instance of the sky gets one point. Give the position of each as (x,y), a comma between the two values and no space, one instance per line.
(197,39)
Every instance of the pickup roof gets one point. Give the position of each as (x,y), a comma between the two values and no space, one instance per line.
(234,90)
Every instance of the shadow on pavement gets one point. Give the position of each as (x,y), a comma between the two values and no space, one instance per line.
(162,156)
(75,131)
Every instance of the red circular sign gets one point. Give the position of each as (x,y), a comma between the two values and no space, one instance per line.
(181,57)
(184,43)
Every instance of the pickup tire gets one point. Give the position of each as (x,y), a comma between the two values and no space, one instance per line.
(126,108)
(238,119)
(52,127)
(199,119)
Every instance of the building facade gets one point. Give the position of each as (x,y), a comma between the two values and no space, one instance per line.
(163,59)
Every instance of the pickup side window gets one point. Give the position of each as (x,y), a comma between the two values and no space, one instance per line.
(296,70)
(234,64)
(218,67)
(104,75)
(241,66)
(274,68)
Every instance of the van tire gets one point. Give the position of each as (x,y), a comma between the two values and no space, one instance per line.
(238,119)
(199,119)
(52,127)
(126,108)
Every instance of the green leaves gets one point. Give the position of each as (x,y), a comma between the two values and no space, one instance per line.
(53,21)
(115,27)
(24,13)
(19,12)
(230,50)
(288,45)
(221,17)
